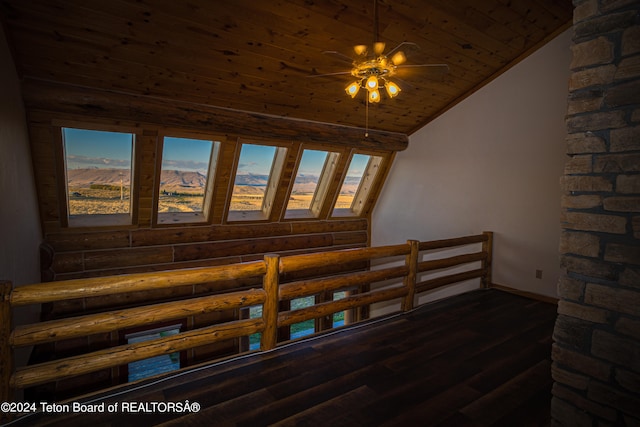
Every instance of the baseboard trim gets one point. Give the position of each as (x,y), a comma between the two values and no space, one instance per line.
(531,295)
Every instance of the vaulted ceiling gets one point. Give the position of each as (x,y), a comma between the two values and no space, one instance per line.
(258,56)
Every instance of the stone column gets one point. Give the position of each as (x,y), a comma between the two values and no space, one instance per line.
(596,354)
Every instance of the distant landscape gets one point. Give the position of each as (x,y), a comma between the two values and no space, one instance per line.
(99,191)
(107,191)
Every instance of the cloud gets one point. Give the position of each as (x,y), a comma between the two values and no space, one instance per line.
(184,165)
(97,162)
(255,168)
(247,165)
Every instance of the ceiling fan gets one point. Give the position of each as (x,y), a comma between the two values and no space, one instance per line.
(373,70)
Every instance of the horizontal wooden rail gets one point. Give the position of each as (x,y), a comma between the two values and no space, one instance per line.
(98,286)
(453,261)
(300,262)
(286,318)
(55,330)
(456,241)
(403,285)
(310,287)
(438,282)
(115,356)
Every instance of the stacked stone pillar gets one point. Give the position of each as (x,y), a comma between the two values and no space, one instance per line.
(596,353)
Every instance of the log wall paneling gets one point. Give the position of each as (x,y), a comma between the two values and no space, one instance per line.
(102,252)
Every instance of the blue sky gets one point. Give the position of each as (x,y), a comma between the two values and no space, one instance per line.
(358,164)
(99,149)
(186,154)
(256,159)
(312,162)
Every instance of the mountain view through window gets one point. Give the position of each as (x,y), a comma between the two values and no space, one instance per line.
(98,171)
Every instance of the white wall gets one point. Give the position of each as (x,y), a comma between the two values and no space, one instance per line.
(19,217)
(491,163)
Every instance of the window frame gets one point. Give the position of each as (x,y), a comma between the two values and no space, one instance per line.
(367,188)
(167,219)
(275,176)
(322,190)
(95,220)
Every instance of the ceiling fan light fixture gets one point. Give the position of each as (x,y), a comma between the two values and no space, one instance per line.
(392,89)
(352,89)
(378,48)
(374,96)
(360,49)
(372,83)
(398,58)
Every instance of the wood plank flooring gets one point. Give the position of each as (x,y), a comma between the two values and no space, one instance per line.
(477,359)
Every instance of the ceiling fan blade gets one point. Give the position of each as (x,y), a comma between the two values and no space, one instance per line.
(338,55)
(443,66)
(414,45)
(403,83)
(341,73)
(431,71)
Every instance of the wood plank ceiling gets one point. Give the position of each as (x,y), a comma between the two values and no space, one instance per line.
(257,56)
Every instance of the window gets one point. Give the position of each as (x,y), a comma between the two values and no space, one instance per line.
(300,329)
(308,327)
(254,339)
(310,186)
(186,179)
(98,171)
(339,318)
(256,181)
(154,365)
(357,184)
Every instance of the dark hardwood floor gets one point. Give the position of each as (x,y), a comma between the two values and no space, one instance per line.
(478,359)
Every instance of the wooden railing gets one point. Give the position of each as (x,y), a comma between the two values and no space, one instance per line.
(271,269)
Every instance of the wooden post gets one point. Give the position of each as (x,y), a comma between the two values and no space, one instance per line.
(325,322)
(271,284)
(487,247)
(411,261)
(6,351)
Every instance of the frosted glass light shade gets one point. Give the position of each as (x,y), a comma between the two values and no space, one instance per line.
(392,89)
(372,83)
(352,89)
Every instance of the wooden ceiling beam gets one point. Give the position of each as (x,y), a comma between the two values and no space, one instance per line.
(52,97)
